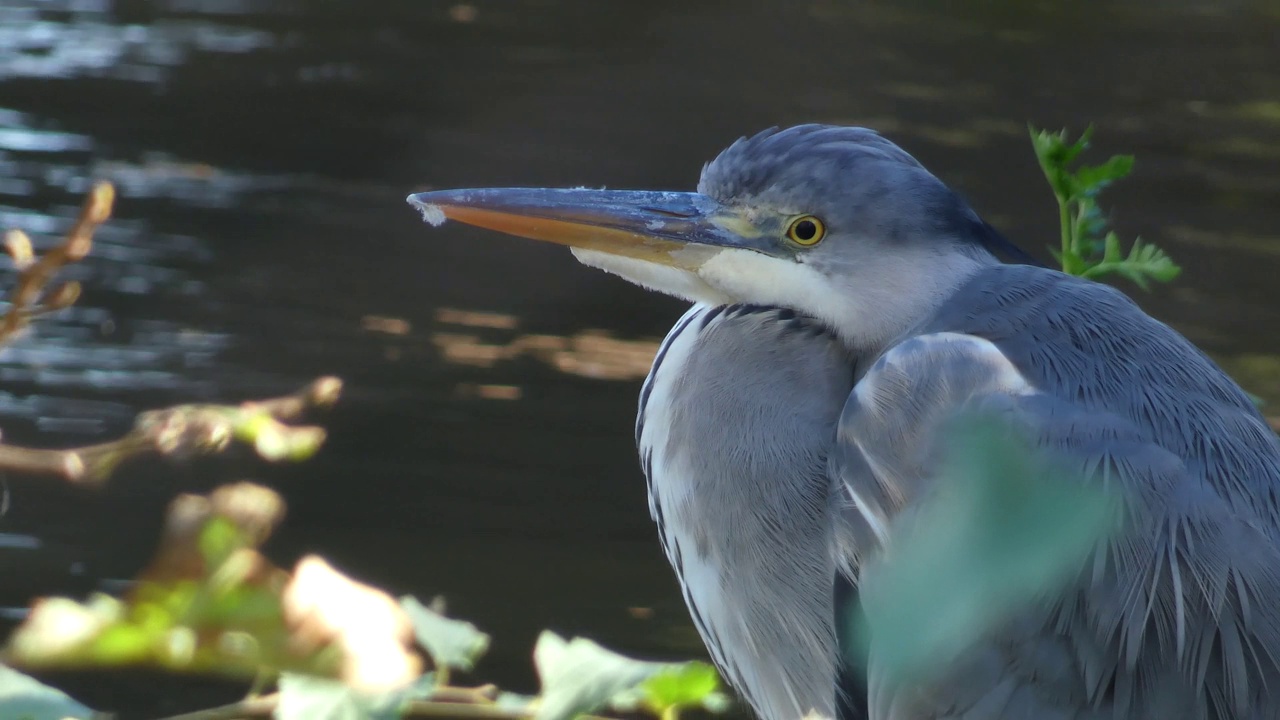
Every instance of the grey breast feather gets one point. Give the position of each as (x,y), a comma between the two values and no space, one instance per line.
(741,500)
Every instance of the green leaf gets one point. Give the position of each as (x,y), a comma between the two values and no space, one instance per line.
(1144,262)
(1093,178)
(687,686)
(1086,248)
(303,697)
(22,697)
(210,603)
(218,539)
(121,644)
(272,439)
(579,676)
(1052,154)
(1111,248)
(450,643)
(1002,526)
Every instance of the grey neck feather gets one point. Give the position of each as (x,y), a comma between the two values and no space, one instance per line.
(732,492)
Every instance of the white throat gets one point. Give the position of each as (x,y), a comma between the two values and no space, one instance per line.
(667,279)
(867,303)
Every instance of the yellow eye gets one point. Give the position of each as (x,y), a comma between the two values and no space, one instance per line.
(806,230)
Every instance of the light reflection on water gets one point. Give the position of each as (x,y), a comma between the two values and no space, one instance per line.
(595,354)
(90,42)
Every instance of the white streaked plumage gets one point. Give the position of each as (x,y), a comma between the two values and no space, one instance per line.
(746,605)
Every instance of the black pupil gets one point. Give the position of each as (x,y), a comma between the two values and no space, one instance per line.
(806,230)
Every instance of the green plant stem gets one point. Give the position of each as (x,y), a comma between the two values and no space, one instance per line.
(432,709)
(1064,219)
(255,707)
(671,713)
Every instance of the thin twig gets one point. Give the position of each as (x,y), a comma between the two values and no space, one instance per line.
(183,431)
(255,707)
(265,705)
(179,431)
(484,694)
(29,297)
(433,709)
(320,393)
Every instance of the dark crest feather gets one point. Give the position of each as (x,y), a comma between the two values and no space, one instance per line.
(792,162)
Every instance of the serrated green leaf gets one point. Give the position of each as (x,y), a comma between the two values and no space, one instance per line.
(451,643)
(1093,178)
(1052,153)
(1002,526)
(1111,248)
(686,686)
(1144,263)
(303,697)
(1087,249)
(579,676)
(22,697)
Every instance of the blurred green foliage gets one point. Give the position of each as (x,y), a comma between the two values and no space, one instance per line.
(209,602)
(1002,525)
(452,644)
(578,676)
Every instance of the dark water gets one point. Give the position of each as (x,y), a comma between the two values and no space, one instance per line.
(483,449)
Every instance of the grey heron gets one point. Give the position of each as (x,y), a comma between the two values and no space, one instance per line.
(846,303)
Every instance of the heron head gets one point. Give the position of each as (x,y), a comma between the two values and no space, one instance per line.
(837,223)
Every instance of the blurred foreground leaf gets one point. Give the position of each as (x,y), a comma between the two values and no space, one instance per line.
(209,602)
(304,697)
(578,676)
(693,685)
(455,644)
(1002,527)
(24,698)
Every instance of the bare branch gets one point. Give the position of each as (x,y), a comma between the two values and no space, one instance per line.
(183,431)
(35,274)
(253,707)
(264,706)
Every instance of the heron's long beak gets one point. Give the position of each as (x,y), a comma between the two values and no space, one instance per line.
(670,228)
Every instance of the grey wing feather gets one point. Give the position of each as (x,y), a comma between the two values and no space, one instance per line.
(1174,618)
